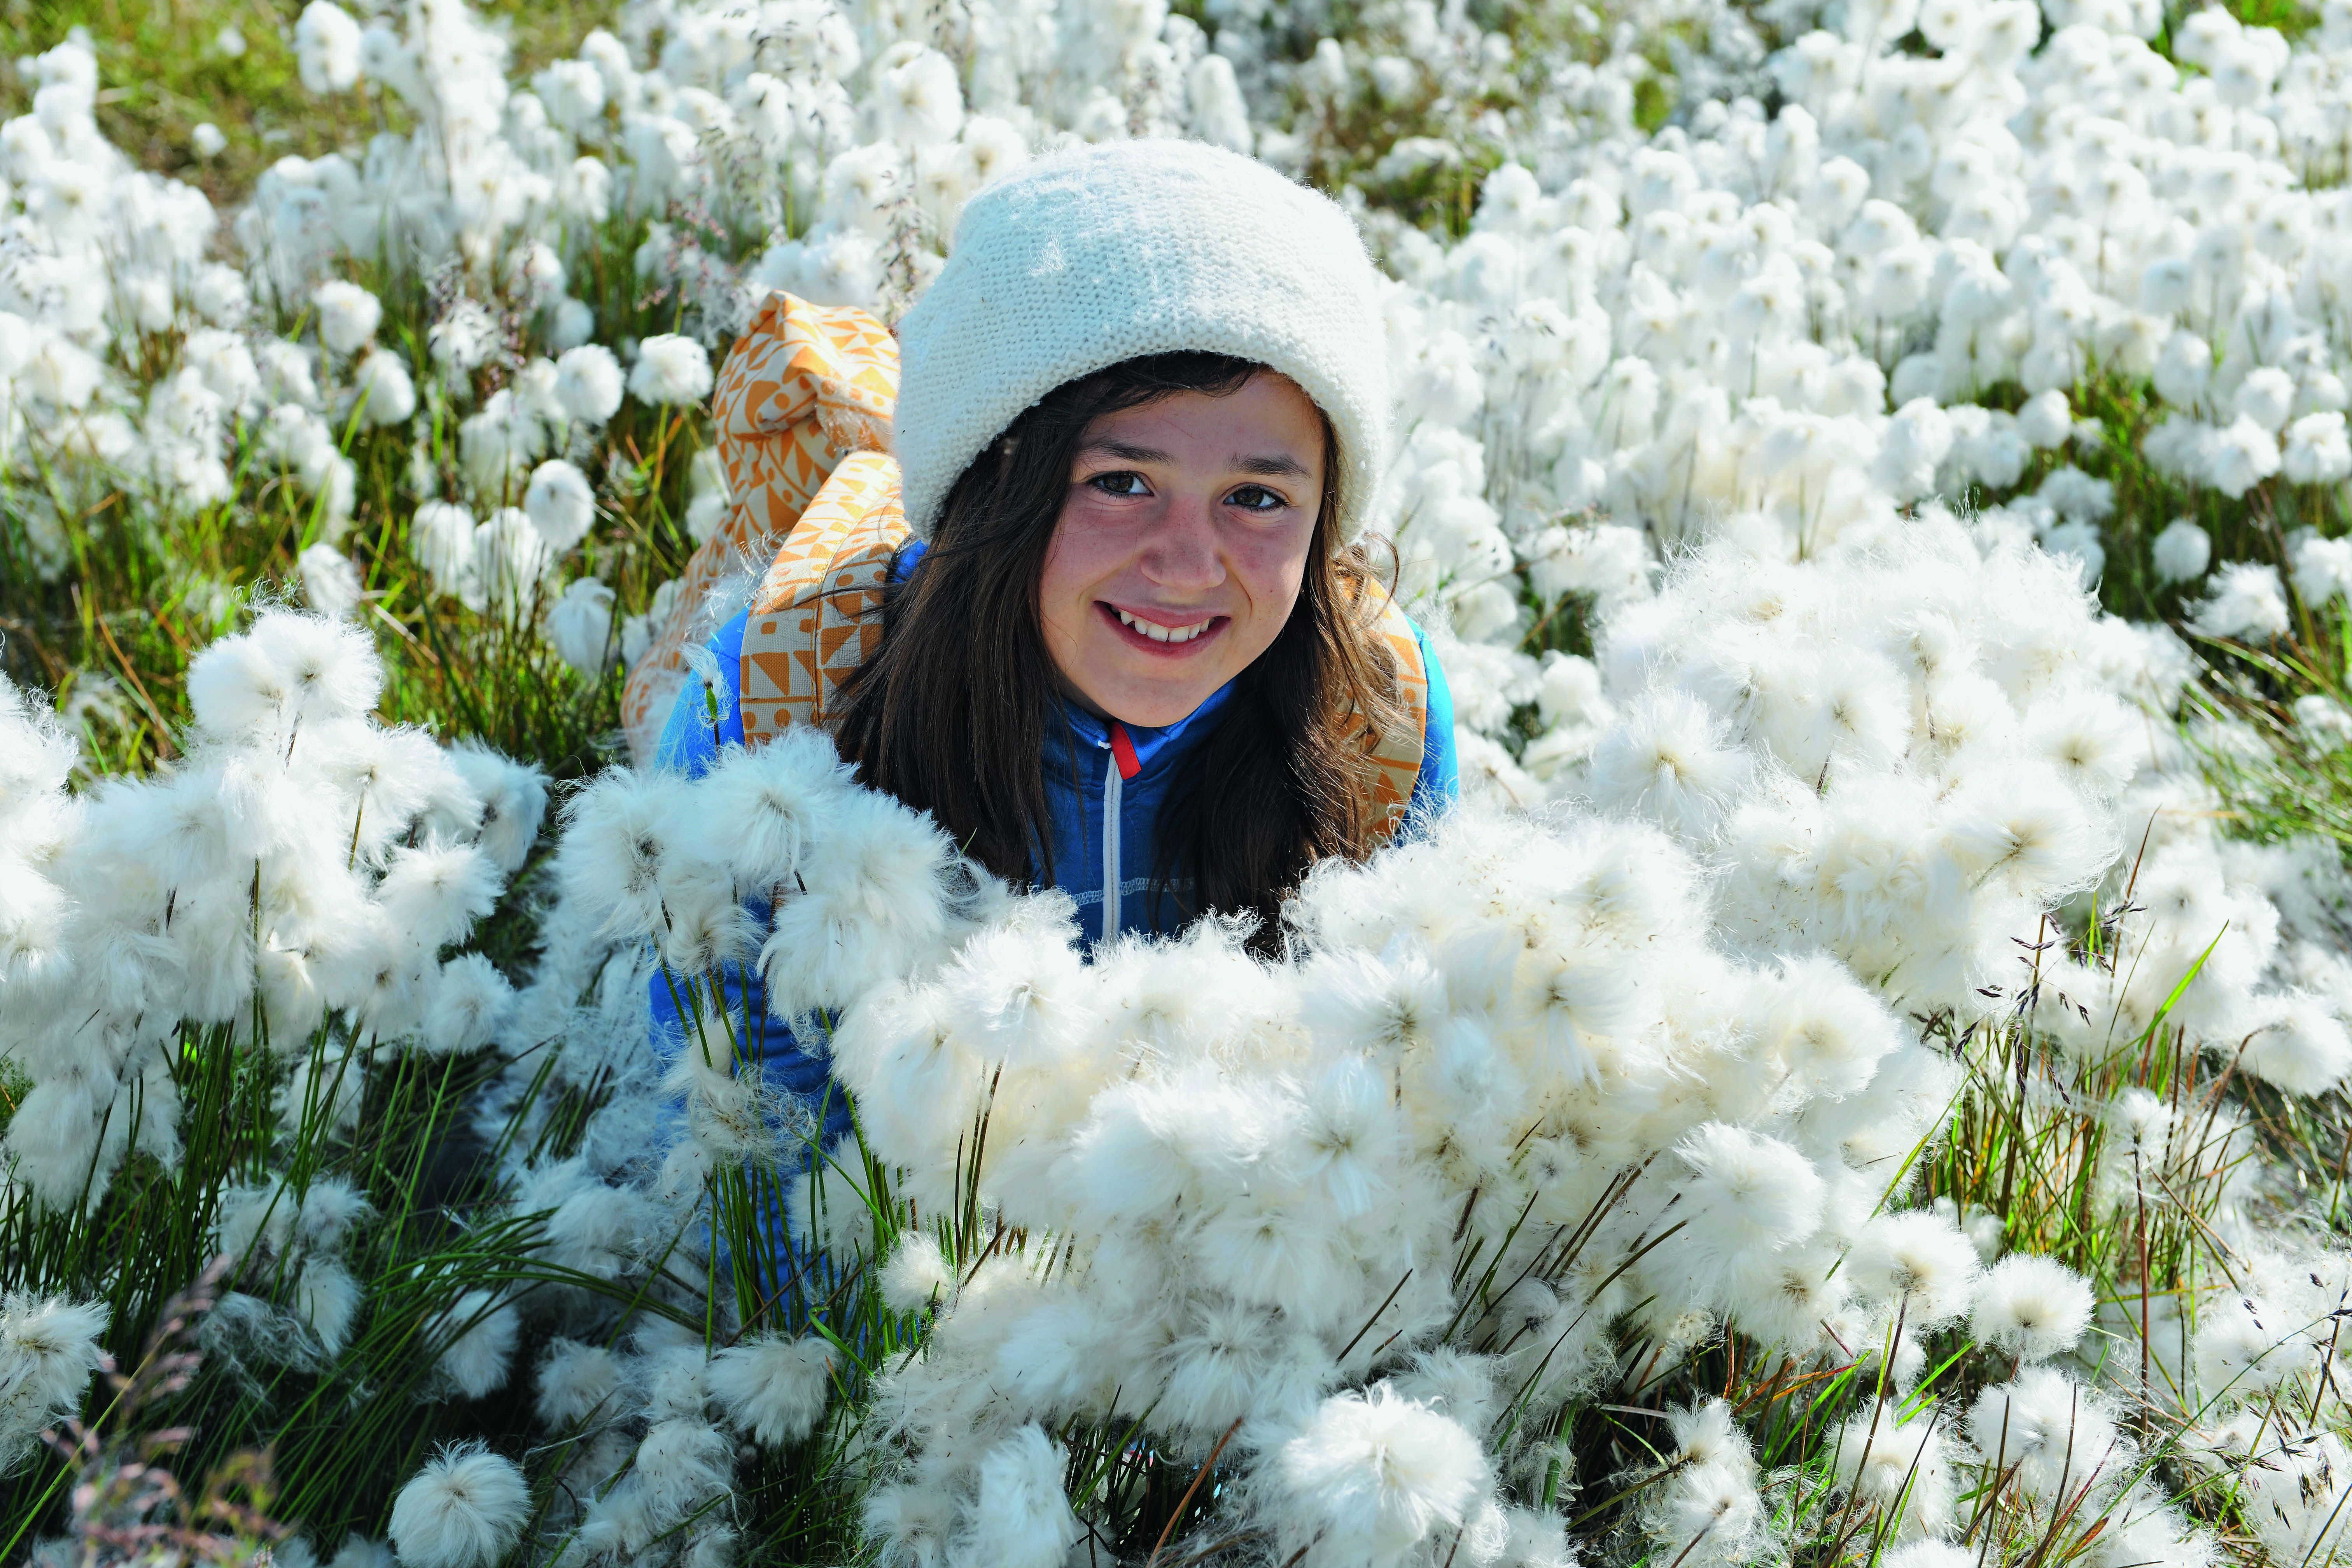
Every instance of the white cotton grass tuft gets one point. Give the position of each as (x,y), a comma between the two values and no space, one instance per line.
(2033,1308)
(1702,1513)
(1373,1475)
(774,1387)
(441,540)
(2060,1436)
(327,44)
(1708,1433)
(437,892)
(560,503)
(327,1299)
(513,798)
(588,382)
(1906,739)
(2247,1346)
(1020,1517)
(1919,1259)
(578,1384)
(617,833)
(870,911)
(1901,1464)
(383,392)
(2299,1043)
(763,806)
(579,626)
(348,315)
(917,1275)
(1747,1192)
(49,1350)
(466,1509)
(2247,603)
(1828,1033)
(670,369)
(1668,763)
(328,669)
(477,1333)
(358,1552)
(2182,552)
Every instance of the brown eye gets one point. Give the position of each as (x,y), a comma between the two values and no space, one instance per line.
(1256,497)
(1123,484)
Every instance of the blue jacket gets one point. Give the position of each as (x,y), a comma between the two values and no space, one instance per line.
(1084,865)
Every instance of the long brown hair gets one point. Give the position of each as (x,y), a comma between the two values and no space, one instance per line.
(953,712)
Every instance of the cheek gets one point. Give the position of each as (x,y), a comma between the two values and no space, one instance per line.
(1271,569)
(1073,565)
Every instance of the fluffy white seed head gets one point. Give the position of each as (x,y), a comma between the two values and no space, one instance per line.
(1667,762)
(1901,1466)
(477,1333)
(383,392)
(2060,1436)
(48,1348)
(2033,1307)
(759,808)
(1376,1475)
(588,382)
(1747,1192)
(2182,550)
(578,1384)
(1020,1516)
(561,504)
(348,315)
(670,369)
(466,1509)
(773,1386)
(1919,1259)
(918,1274)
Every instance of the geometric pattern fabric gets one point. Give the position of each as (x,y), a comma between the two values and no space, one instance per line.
(806,386)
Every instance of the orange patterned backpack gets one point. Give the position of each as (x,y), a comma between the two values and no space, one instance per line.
(802,415)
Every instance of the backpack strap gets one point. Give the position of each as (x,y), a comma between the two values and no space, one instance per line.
(802,388)
(818,612)
(1398,756)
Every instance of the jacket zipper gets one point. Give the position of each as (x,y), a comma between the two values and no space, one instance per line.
(1112,781)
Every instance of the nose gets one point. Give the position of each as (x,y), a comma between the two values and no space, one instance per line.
(1181,553)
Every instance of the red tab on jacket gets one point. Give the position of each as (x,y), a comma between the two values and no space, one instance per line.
(1122,751)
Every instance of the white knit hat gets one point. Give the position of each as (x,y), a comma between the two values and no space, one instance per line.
(1103,254)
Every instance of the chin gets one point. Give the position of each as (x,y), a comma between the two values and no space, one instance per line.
(1153,714)
(1153,706)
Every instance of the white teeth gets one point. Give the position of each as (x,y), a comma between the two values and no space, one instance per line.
(1162,633)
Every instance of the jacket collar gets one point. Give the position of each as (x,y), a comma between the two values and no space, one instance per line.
(1094,734)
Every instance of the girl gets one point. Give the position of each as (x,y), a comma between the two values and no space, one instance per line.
(1105,616)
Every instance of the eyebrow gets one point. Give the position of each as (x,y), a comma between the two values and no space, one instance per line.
(1274,468)
(1266,467)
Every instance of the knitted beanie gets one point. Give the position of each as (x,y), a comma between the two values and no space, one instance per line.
(1085,258)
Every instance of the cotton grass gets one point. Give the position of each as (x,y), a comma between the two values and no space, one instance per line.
(464,1510)
(1864,858)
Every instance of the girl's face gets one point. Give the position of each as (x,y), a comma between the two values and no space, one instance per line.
(1182,540)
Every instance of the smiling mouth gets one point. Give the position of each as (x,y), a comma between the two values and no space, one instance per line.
(1159,632)
(1158,637)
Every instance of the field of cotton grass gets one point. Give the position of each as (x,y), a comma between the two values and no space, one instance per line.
(1859,1079)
